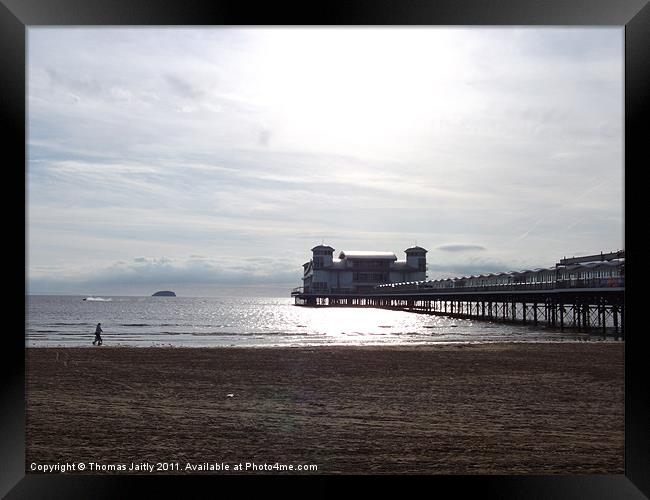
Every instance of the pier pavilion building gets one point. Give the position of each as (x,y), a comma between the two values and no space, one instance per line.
(360,271)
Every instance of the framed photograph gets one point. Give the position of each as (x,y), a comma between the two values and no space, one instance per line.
(380,240)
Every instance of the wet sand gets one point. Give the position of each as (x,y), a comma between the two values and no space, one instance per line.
(455,409)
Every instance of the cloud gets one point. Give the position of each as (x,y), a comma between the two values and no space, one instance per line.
(156,272)
(184,88)
(460,248)
(264,137)
(236,144)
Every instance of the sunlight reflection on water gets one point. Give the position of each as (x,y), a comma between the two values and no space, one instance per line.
(246,321)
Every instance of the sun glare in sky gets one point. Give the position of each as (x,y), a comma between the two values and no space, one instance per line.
(197,157)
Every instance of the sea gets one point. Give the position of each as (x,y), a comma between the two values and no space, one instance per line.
(69,321)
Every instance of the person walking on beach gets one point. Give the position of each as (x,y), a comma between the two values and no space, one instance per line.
(98,336)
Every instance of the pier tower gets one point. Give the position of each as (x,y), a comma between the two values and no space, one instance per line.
(321,263)
(416,258)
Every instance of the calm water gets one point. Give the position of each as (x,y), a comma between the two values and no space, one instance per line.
(254,321)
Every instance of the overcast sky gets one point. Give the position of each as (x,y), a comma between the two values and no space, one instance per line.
(193,159)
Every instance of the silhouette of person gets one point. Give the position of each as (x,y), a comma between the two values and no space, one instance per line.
(98,337)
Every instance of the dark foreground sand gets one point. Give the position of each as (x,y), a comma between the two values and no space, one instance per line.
(499,408)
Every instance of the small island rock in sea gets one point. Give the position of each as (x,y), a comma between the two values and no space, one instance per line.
(164,293)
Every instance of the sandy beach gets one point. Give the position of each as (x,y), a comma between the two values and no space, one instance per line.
(539,408)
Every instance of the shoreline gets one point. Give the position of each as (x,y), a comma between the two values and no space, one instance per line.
(597,339)
(488,408)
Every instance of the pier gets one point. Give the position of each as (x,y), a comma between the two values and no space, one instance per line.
(582,309)
(584,293)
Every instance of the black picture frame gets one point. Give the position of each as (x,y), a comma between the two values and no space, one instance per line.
(17,15)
